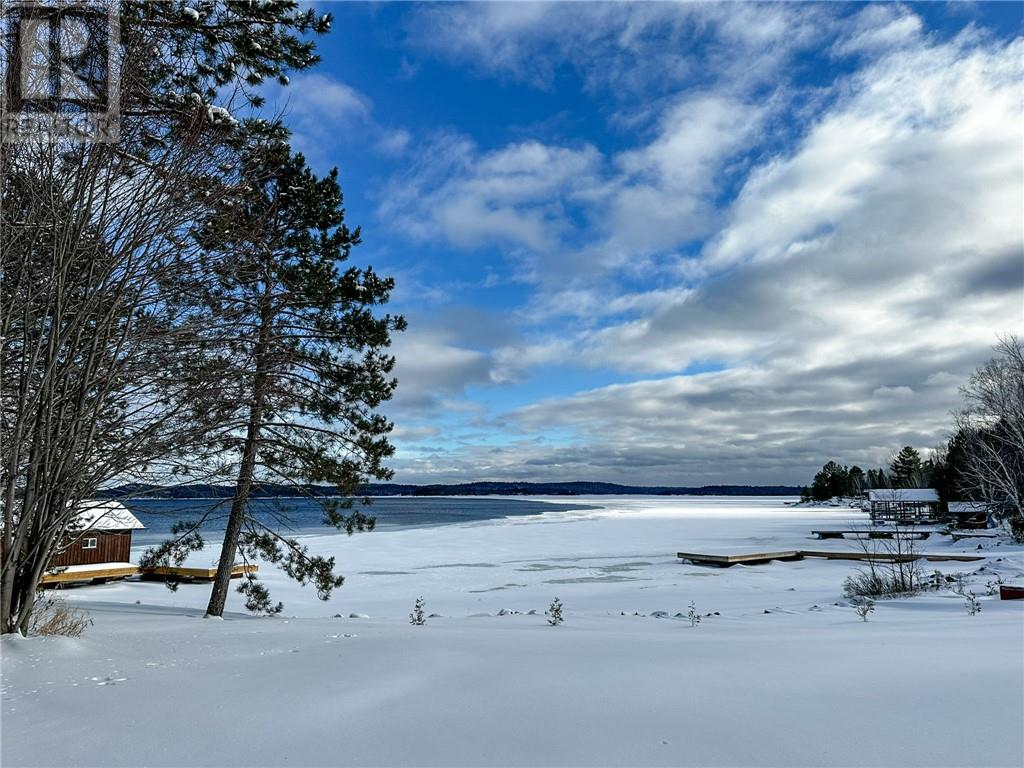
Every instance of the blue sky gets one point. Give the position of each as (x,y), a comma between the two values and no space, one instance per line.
(676,244)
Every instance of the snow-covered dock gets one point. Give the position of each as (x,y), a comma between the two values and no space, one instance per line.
(762,558)
(98,573)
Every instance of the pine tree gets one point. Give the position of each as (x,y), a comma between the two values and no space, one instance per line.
(832,480)
(856,476)
(906,467)
(303,352)
(877,478)
(114,220)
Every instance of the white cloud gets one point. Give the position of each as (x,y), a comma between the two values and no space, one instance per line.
(879,27)
(516,195)
(568,212)
(857,278)
(431,366)
(623,49)
(322,111)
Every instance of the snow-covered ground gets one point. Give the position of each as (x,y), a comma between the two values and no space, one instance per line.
(778,675)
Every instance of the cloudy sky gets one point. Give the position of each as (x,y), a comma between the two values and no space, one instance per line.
(677,244)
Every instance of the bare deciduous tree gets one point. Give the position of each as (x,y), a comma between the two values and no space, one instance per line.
(95,242)
(992,424)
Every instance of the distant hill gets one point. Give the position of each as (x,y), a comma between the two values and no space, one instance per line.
(206,491)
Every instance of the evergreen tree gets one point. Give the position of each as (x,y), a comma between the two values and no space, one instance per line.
(950,467)
(906,468)
(93,238)
(877,478)
(832,480)
(857,481)
(303,355)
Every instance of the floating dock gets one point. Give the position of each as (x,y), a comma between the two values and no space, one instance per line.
(761,558)
(890,557)
(754,558)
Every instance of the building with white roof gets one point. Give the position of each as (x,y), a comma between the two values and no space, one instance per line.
(904,505)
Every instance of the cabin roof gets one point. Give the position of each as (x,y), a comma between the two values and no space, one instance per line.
(903,494)
(106,516)
(968,507)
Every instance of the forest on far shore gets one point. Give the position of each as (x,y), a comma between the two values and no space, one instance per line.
(208,491)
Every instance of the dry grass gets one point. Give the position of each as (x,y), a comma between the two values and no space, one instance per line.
(51,615)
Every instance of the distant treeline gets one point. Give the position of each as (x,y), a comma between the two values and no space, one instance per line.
(207,491)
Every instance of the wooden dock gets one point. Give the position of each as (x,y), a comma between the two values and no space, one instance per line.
(761,558)
(178,573)
(957,536)
(872,534)
(755,558)
(84,574)
(889,557)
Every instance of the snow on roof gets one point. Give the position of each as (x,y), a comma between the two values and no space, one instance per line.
(106,516)
(968,507)
(903,494)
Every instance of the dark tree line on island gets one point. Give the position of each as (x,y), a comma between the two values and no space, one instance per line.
(982,461)
(176,304)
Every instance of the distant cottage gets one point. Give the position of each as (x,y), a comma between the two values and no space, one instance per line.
(970,514)
(904,505)
(99,547)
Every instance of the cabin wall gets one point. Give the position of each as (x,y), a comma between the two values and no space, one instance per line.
(111,547)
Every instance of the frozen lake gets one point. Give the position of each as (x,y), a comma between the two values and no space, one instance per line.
(782,672)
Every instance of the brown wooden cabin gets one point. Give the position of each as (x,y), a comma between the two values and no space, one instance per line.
(91,547)
(103,535)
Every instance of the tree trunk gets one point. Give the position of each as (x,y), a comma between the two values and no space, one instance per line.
(243,486)
(222,581)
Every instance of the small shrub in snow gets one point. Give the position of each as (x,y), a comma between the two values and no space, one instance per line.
(992,587)
(554,613)
(936,581)
(418,617)
(869,583)
(52,616)
(973,604)
(692,615)
(959,582)
(864,608)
